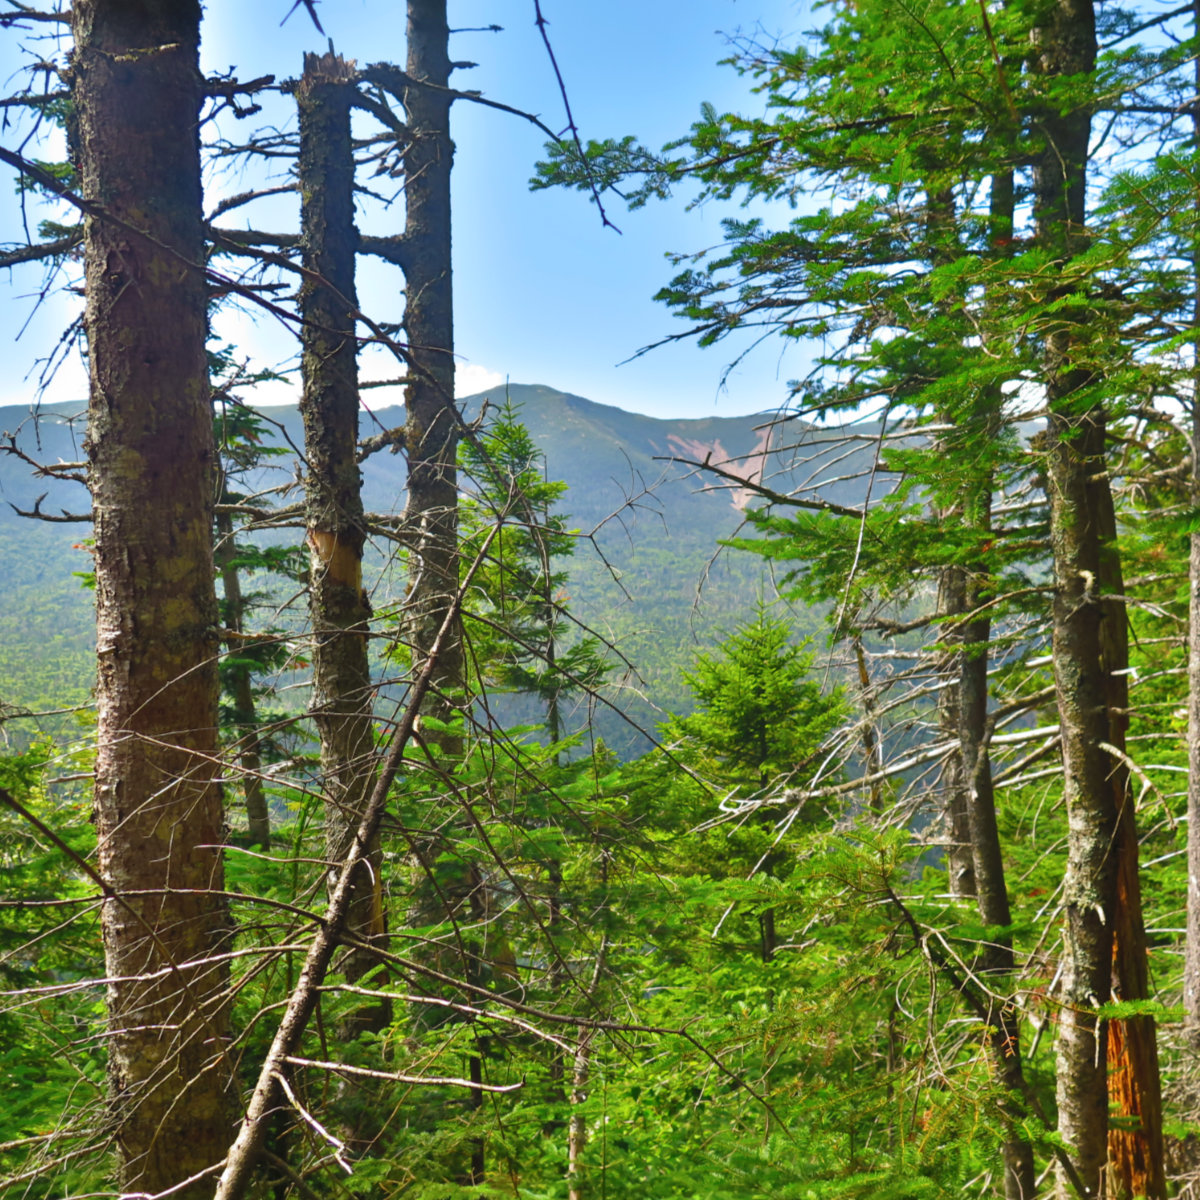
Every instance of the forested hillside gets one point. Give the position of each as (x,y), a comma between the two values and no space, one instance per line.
(331,867)
(646,573)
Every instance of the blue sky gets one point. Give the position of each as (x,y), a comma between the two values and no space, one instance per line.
(543,293)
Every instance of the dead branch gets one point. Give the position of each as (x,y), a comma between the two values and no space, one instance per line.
(65,517)
(232,87)
(397,1077)
(42,250)
(25,13)
(243,1154)
(390,439)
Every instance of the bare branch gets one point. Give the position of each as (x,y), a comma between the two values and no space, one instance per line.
(311,7)
(390,439)
(396,1077)
(35,513)
(541,23)
(41,250)
(393,79)
(25,13)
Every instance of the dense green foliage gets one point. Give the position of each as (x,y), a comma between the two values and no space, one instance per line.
(731,963)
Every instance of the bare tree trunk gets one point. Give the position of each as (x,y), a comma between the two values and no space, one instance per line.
(342,695)
(941,235)
(243,1154)
(996,959)
(953,782)
(872,749)
(431,433)
(577,1127)
(137,91)
(241,690)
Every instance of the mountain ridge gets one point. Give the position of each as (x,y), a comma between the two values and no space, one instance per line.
(654,531)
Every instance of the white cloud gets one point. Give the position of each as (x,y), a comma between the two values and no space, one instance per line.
(471,378)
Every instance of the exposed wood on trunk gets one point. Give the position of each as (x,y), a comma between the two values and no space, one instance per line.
(340,615)
(1104,930)
(1135,1144)
(137,91)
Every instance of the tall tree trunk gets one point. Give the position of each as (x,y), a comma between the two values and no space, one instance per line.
(953,782)
(1191,970)
(431,432)
(342,696)
(577,1126)
(137,91)
(872,748)
(1065,45)
(996,960)
(976,858)
(241,690)
(942,241)
(1135,1145)
(1075,450)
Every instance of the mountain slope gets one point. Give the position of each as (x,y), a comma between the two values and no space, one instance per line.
(641,576)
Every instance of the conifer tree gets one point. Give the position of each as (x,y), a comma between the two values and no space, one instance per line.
(939,318)
(761,725)
(520,635)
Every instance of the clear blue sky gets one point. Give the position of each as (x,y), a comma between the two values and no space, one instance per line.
(543,293)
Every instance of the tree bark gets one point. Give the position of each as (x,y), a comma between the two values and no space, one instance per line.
(1135,1146)
(953,782)
(431,440)
(432,424)
(577,1126)
(1065,45)
(996,958)
(137,91)
(1105,942)
(340,615)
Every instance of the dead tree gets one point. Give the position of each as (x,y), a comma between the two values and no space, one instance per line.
(340,615)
